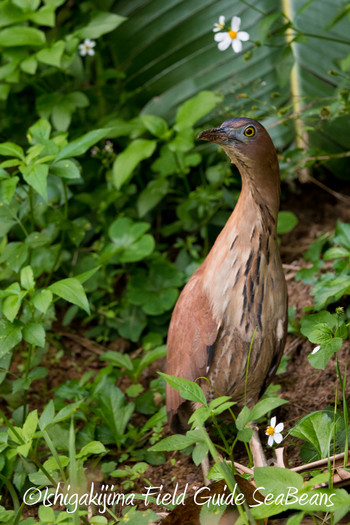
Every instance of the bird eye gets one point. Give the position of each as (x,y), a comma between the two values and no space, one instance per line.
(249,131)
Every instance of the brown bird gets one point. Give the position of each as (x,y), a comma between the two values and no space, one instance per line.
(239,289)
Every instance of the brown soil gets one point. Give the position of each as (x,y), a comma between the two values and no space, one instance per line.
(305,388)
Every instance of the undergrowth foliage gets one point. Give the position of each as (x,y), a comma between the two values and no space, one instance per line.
(105,212)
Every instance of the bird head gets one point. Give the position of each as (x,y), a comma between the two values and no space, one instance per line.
(244,140)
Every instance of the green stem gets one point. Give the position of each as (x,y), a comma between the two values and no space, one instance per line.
(12,492)
(247,367)
(27,370)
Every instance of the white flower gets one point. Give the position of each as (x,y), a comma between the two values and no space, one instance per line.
(219,26)
(274,432)
(234,37)
(87,47)
(315,350)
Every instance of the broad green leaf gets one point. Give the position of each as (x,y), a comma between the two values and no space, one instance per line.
(155,125)
(52,55)
(15,255)
(286,222)
(151,195)
(11,305)
(317,429)
(320,359)
(309,322)
(100,24)
(188,389)
(39,132)
(199,452)
(9,149)
(7,189)
(47,415)
(94,447)
(72,291)
(36,177)
(276,480)
(27,278)
(196,108)
(21,36)
(82,144)
(29,65)
(126,162)
(243,418)
(42,300)
(66,169)
(330,291)
(266,405)
(342,235)
(30,424)
(118,359)
(27,5)
(10,336)
(177,442)
(45,16)
(67,411)
(138,250)
(114,410)
(34,334)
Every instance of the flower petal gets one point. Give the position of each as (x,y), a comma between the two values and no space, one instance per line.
(279,427)
(273,422)
(222,20)
(270,441)
(278,438)
(90,52)
(243,35)
(315,350)
(236,45)
(225,44)
(220,36)
(235,23)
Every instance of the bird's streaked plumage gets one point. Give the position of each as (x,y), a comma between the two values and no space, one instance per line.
(239,289)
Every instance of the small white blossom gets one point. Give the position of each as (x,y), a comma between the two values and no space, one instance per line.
(274,432)
(315,350)
(233,37)
(87,47)
(219,26)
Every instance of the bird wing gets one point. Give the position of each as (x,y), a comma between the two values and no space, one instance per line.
(192,334)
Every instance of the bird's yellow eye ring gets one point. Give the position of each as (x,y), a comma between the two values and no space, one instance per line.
(249,131)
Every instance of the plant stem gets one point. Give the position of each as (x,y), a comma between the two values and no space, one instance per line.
(26,374)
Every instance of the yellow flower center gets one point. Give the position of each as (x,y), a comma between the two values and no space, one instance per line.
(270,431)
(233,34)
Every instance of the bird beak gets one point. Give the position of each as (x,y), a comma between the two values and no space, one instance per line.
(217,135)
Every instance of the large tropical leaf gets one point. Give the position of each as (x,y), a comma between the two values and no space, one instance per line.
(168,53)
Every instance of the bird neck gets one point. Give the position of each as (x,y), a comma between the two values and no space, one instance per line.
(261,188)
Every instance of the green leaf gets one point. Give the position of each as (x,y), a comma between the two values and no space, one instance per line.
(82,144)
(36,177)
(199,452)
(100,24)
(66,169)
(39,132)
(9,149)
(286,222)
(94,447)
(47,415)
(330,291)
(27,278)
(276,480)
(29,65)
(151,195)
(127,161)
(45,16)
(155,125)
(188,389)
(177,442)
(10,336)
(21,36)
(266,405)
(30,425)
(309,322)
(52,55)
(34,334)
(243,418)
(11,305)
(67,411)
(72,291)
(320,359)
(117,359)
(129,241)
(7,189)
(196,108)
(14,254)
(42,300)
(317,429)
